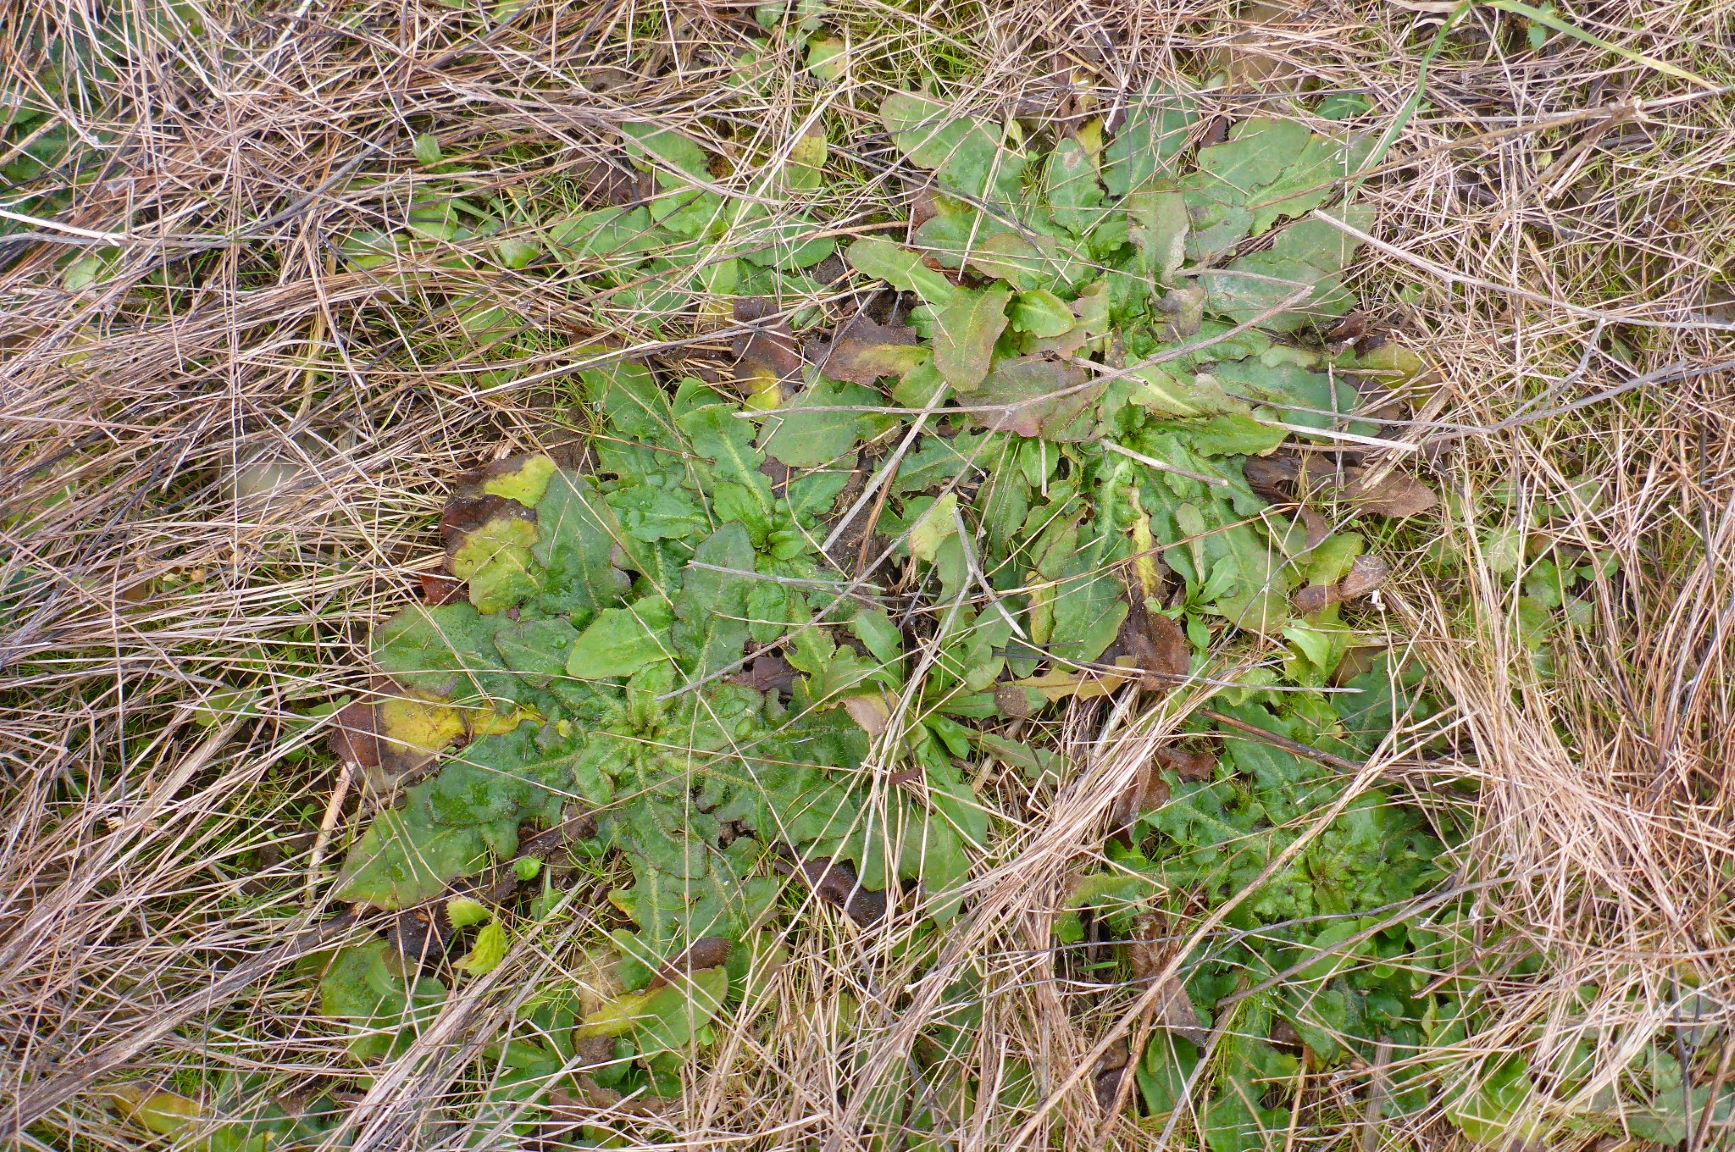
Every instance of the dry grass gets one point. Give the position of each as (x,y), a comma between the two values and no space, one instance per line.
(1556,230)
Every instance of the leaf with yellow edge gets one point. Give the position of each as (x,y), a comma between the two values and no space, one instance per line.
(496,560)
(525,484)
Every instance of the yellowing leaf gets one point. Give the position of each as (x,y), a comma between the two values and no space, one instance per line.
(933,527)
(419,725)
(871,713)
(164,1113)
(1059,684)
(487,952)
(463,912)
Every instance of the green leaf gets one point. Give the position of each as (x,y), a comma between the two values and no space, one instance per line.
(714,428)
(525,484)
(964,334)
(404,859)
(1158,225)
(1309,254)
(1036,396)
(1156,130)
(487,952)
(1488,1112)
(665,1019)
(382,1014)
(1266,170)
(577,548)
(621,641)
(710,630)
(933,527)
(445,653)
(801,437)
(1168,390)
(1071,188)
(963,151)
(622,233)
(1230,434)
(463,912)
(654,146)
(901,268)
(495,558)
(1041,313)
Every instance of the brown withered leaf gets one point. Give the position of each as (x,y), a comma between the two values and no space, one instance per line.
(1157,645)
(1193,766)
(1395,494)
(1318,529)
(871,713)
(707,952)
(420,938)
(1110,1070)
(1014,702)
(768,354)
(1037,396)
(464,514)
(592,1098)
(1146,793)
(1313,598)
(1174,1012)
(438,588)
(1353,327)
(605,184)
(355,740)
(1273,477)
(835,882)
(1366,573)
(767,674)
(865,350)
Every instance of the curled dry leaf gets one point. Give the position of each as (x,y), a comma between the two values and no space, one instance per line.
(1366,573)
(1147,792)
(1110,1070)
(1313,598)
(706,952)
(834,882)
(1394,495)
(1284,478)
(1157,646)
